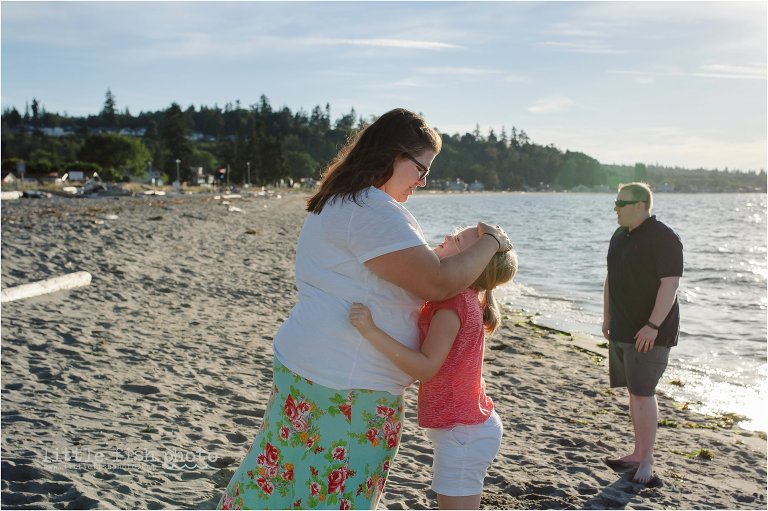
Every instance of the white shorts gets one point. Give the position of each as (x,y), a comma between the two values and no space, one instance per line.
(462,456)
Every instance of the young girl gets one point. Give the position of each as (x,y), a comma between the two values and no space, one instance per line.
(459,417)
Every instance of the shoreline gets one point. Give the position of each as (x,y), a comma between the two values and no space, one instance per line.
(666,388)
(137,190)
(145,389)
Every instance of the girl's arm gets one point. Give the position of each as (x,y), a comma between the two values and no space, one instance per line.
(420,364)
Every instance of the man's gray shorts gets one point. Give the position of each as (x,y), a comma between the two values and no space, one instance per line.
(639,372)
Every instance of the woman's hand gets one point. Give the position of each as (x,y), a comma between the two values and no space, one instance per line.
(361,318)
(419,271)
(505,244)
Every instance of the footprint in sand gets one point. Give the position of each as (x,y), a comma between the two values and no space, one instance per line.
(140,389)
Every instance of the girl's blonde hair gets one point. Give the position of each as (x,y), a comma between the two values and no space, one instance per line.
(501,269)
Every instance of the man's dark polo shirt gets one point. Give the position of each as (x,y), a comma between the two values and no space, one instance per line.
(637,261)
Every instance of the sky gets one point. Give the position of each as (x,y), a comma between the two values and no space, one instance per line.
(669,83)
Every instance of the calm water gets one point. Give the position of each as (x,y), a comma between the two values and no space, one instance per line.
(562,240)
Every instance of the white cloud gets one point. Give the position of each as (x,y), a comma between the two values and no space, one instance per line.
(598,47)
(666,145)
(512,78)
(732,71)
(574,30)
(550,105)
(383,43)
(194,45)
(519,62)
(694,152)
(644,80)
(407,82)
(648,13)
(728,71)
(459,71)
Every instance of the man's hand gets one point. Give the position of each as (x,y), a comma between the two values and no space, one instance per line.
(645,338)
(606,328)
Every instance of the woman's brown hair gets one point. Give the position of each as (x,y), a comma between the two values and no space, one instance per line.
(368,157)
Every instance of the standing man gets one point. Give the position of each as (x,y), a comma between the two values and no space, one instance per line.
(641,315)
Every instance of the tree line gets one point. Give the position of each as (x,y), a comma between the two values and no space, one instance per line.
(263,145)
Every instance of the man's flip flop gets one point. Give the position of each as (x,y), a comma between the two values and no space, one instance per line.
(620,465)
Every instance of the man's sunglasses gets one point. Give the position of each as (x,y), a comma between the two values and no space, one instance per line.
(622,203)
(423,171)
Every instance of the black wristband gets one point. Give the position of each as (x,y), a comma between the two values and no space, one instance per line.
(648,323)
(494,237)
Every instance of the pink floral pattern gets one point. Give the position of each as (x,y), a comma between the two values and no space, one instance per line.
(383,426)
(302,455)
(299,425)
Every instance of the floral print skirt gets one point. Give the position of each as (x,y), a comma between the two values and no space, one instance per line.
(318,448)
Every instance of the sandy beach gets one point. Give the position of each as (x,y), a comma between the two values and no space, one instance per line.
(145,388)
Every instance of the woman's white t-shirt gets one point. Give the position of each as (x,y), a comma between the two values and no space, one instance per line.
(317,341)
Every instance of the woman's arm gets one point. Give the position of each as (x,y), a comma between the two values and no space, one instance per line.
(421,272)
(420,364)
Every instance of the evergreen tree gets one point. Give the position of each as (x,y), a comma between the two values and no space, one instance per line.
(641,172)
(13,117)
(279,144)
(175,144)
(346,123)
(579,169)
(272,161)
(109,111)
(35,114)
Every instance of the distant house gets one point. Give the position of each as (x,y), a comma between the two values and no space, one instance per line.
(132,133)
(153,175)
(50,177)
(457,186)
(31,180)
(54,132)
(75,175)
(476,186)
(48,131)
(196,136)
(308,182)
(201,177)
(9,180)
(665,188)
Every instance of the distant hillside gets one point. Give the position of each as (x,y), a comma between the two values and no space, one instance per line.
(262,145)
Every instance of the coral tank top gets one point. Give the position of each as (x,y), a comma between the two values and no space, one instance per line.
(456,394)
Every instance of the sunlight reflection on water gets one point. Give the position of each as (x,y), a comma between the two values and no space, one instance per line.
(726,392)
(562,239)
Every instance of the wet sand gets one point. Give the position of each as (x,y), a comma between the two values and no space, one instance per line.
(145,388)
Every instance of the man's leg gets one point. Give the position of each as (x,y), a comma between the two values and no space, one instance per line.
(645,417)
(639,373)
